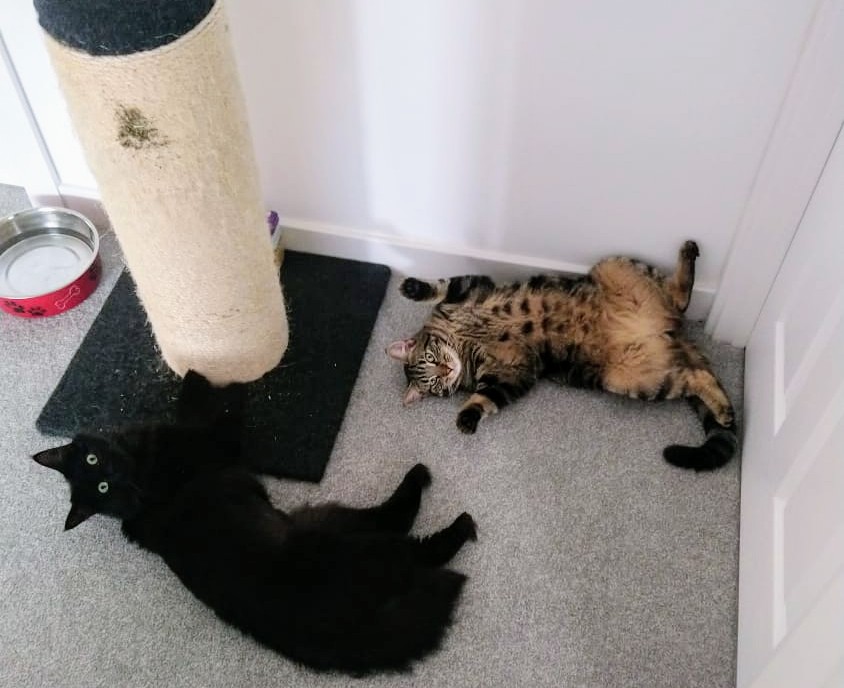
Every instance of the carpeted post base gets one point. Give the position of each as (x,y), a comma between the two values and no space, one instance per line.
(293,413)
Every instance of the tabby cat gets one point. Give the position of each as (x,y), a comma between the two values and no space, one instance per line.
(329,586)
(618,328)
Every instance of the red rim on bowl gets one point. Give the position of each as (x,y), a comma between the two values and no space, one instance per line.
(49,261)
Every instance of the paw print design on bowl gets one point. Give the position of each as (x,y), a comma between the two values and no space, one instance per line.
(49,261)
(16,307)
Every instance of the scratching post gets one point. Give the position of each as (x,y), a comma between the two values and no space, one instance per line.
(153,92)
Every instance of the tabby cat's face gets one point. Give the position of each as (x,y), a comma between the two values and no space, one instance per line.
(432,367)
(100,477)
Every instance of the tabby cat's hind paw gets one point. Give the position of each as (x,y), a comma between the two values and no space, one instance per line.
(726,417)
(416,290)
(468,419)
(690,250)
(419,475)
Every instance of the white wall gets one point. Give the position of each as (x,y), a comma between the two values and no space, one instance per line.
(561,130)
(542,131)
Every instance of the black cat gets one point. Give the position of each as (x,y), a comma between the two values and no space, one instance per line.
(329,586)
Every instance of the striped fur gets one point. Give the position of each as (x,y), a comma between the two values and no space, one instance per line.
(617,329)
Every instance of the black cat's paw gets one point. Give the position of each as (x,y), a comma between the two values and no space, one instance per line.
(468,419)
(419,475)
(416,290)
(465,525)
(690,250)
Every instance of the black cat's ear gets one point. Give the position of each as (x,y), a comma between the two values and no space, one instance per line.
(78,513)
(401,349)
(55,458)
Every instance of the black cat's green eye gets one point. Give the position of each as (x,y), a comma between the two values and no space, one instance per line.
(103,487)
(91,459)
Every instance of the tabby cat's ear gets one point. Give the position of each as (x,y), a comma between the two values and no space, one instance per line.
(55,458)
(401,349)
(78,513)
(412,394)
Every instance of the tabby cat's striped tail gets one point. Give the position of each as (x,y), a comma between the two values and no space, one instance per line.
(452,290)
(720,446)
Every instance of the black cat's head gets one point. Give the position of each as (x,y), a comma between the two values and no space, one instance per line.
(100,475)
(432,366)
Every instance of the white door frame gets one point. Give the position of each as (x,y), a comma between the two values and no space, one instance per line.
(28,133)
(810,118)
(791,563)
(26,159)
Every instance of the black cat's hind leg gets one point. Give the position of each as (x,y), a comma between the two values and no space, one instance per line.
(439,548)
(679,285)
(399,511)
(395,515)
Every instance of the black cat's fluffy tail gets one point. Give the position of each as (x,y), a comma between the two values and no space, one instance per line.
(200,402)
(402,629)
(411,627)
(720,446)
(218,408)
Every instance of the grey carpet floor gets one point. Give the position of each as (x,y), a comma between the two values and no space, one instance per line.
(597,565)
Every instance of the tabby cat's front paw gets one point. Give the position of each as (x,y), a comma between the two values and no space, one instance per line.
(415,290)
(468,419)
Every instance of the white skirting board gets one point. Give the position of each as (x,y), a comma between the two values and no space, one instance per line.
(428,260)
(403,256)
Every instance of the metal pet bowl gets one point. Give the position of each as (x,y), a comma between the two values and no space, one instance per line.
(49,261)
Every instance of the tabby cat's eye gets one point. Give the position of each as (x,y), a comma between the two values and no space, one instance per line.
(103,487)
(429,357)
(91,459)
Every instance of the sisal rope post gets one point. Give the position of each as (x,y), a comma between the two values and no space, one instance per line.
(165,134)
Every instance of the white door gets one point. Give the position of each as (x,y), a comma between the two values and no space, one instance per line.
(791,565)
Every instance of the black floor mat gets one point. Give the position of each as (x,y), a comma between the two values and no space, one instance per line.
(293,413)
